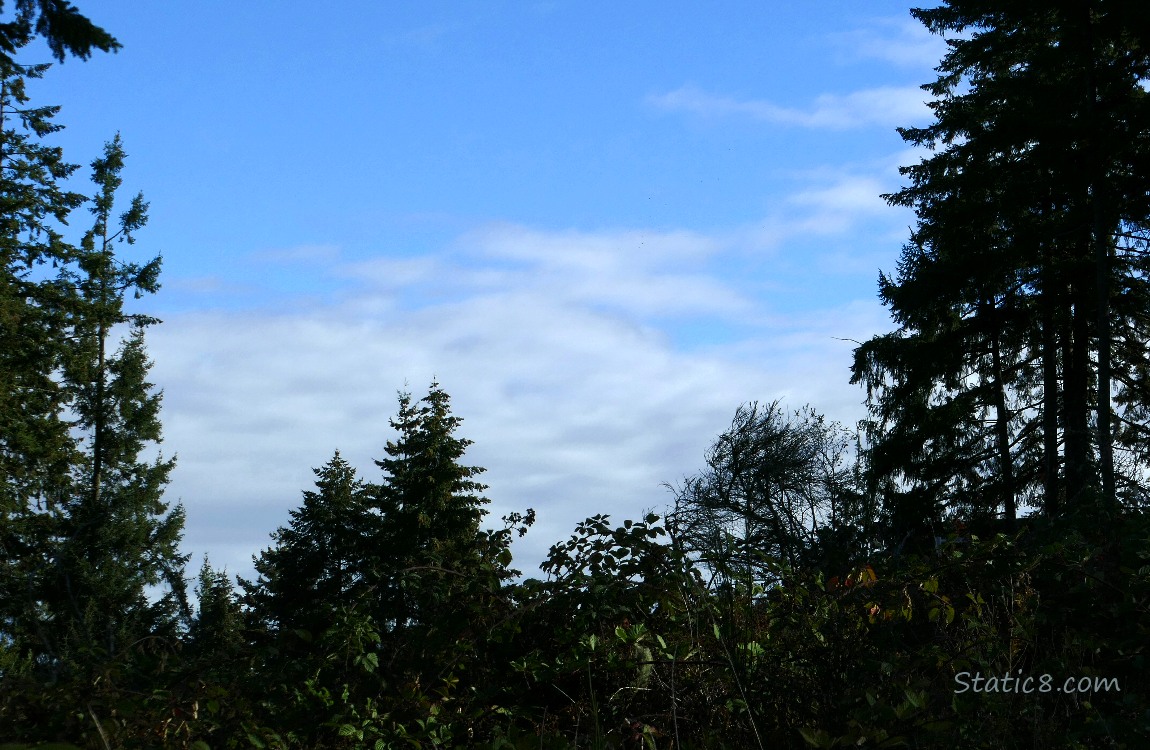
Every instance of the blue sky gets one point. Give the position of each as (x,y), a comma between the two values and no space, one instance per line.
(602,226)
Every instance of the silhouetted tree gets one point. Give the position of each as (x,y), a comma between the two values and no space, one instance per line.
(777,486)
(316,562)
(1021,298)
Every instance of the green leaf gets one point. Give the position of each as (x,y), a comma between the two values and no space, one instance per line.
(816,737)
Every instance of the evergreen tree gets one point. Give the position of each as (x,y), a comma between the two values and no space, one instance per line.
(429,508)
(35,446)
(115,535)
(307,611)
(36,308)
(372,589)
(316,563)
(60,24)
(400,545)
(442,579)
(216,633)
(1020,298)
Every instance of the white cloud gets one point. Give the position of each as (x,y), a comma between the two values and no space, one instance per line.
(836,207)
(885,106)
(902,41)
(578,403)
(829,203)
(391,273)
(647,274)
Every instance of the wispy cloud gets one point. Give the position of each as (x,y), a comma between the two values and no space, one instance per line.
(885,106)
(837,206)
(900,41)
(297,254)
(634,273)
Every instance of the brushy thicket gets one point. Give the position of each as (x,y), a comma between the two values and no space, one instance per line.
(625,647)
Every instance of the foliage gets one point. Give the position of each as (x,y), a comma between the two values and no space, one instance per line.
(88,531)
(118,536)
(36,308)
(60,24)
(1020,297)
(36,449)
(779,486)
(382,593)
(759,613)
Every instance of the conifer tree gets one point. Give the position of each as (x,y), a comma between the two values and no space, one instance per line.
(1019,298)
(373,587)
(316,563)
(36,450)
(441,578)
(310,595)
(34,306)
(429,507)
(216,632)
(115,535)
(60,24)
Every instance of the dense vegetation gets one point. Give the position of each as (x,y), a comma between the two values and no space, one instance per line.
(971,568)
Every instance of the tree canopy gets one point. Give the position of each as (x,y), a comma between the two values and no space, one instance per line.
(762,610)
(1018,297)
(60,24)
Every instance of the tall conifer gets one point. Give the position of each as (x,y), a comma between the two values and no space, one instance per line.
(1019,299)
(371,588)
(36,449)
(116,536)
(429,504)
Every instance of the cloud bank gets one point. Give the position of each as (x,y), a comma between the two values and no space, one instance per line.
(564,352)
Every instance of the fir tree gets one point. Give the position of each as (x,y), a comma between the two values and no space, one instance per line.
(35,308)
(441,578)
(35,446)
(116,536)
(429,507)
(216,633)
(60,24)
(36,450)
(1020,298)
(373,587)
(315,565)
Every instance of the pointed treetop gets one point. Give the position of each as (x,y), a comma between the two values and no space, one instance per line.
(425,482)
